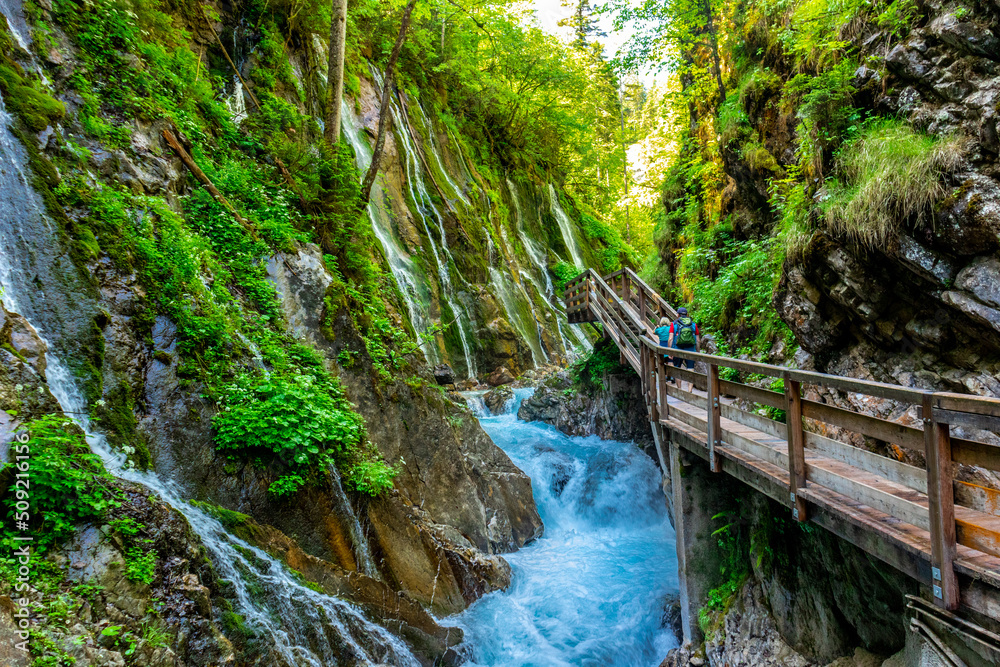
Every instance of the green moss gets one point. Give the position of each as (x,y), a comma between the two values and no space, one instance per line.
(116,415)
(35,108)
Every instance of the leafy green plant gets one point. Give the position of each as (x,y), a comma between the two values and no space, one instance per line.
(68,484)
(301,420)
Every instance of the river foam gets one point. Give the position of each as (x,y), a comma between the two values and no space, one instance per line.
(590,591)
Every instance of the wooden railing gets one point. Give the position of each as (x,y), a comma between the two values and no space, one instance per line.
(924,510)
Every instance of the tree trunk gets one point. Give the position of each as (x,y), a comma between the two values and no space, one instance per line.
(335,70)
(384,113)
(714,42)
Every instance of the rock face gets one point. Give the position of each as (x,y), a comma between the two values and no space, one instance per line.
(616,411)
(463,480)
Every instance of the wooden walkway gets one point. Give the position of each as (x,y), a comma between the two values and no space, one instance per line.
(942,532)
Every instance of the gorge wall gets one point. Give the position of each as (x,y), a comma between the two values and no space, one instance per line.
(183,257)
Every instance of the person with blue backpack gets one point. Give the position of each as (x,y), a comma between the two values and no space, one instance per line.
(683,335)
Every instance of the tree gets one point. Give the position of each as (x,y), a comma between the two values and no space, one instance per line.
(384,112)
(335,70)
(680,34)
(582,22)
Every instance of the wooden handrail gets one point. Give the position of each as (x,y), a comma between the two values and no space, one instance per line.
(628,308)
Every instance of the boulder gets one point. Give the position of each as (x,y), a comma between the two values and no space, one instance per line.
(444,374)
(981,279)
(967,36)
(496,399)
(500,376)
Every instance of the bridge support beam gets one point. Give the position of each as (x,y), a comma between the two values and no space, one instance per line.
(697,496)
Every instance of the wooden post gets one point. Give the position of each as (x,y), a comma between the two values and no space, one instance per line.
(661,382)
(714,417)
(625,289)
(796,443)
(586,293)
(941,501)
(642,307)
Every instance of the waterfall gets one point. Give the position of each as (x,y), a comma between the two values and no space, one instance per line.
(536,252)
(305,627)
(516,316)
(425,208)
(14,12)
(412,285)
(566,227)
(590,590)
(436,155)
(362,554)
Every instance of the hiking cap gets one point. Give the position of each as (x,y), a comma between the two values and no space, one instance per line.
(682,311)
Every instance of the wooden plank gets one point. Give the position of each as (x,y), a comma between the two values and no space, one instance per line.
(753,420)
(688,397)
(973,453)
(980,498)
(867,489)
(699,380)
(751,393)
(895,471)
(942,508)
(796,453)
(661,386)
(984,405)
(966,419)
(879,389)
(714,418)
(880,429)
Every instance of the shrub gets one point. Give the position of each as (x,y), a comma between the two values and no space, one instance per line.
(887,176)
(68,484)
(563,273)
(298,419)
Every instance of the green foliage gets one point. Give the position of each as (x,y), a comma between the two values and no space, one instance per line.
(66,483)
(300,420)
(372,477)
(732,283)
(140,559)
(734,569)
(888,176)
(588,372)
(563,272)
(825,113)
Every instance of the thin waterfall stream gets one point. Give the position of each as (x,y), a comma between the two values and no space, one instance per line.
(590,591)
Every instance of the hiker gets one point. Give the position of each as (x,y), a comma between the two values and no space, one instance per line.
(663,332)
(684,335)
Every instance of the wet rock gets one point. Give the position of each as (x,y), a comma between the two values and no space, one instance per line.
(966,36)
(615,411)
(968,220)
(973,309)
(925,262)
(981,279)
(10,654)
(500,376)
(444,375)
(496,400)
(907,61)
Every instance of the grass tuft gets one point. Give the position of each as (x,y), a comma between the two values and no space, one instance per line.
(888,175)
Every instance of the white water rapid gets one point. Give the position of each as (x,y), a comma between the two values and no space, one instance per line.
(589,592)
(305,628)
